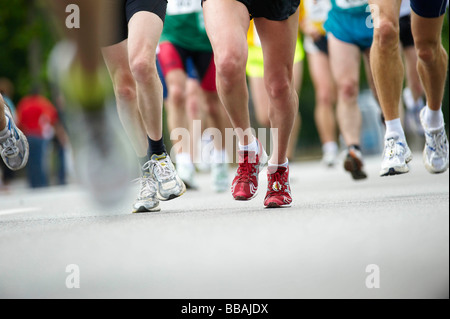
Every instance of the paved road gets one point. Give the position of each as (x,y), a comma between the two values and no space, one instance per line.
(208,246)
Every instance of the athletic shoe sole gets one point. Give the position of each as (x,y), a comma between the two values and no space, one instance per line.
(143,209)
(275,205)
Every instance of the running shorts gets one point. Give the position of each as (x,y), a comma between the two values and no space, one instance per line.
(313,47)
(278,10)
(120,13)
(255,62)
(429,8)
(351,28)
(406,36)
(172,57)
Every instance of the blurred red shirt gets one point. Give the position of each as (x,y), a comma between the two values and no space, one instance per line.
(36,116)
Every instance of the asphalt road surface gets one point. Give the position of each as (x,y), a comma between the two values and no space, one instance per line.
(380,238)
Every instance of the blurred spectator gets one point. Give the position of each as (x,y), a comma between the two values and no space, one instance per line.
(39,120)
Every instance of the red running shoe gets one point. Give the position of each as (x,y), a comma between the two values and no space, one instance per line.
(245,184)
(279,190)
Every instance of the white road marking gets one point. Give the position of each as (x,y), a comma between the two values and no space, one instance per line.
(20,210)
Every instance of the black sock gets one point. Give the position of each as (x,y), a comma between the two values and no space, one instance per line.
(355,146)
(156,147)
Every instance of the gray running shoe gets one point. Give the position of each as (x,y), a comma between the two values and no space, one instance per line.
(14,148)
(169,184)
(147,200)
(435,153)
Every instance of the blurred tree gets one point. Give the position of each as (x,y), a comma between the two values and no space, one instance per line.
(26,39)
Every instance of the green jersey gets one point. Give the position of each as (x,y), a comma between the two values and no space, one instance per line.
(184,25)
(350,6)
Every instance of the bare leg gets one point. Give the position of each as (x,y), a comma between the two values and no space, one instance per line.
(412,75)
(345,64)
(386,58)
(230,54)
(116,58)
(298,81)
(142,42)
(279,79)
(176,107)
(432,58)
(2,114)
(325,90)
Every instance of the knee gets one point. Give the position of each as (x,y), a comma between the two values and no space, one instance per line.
(279,87)
(177,96)
(143,69)
(230,66)
(387,34)
(324,98)
(125,87)
(429,51)
(348,90)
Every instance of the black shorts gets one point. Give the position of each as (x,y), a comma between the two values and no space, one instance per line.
(119,14)
(276,10)
(322,44)
(406,36)
(429,8)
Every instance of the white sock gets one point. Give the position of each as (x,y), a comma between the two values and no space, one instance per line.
(394,127)
(252,147)
(330,147)
(3,132)
(433,119)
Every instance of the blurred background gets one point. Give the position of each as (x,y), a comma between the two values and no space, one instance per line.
(28,34)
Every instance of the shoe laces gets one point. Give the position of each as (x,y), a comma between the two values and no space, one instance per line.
(148,186)
(9,147)
(161,169)
(246,169)
(437,142)
(278,182)
(393,148)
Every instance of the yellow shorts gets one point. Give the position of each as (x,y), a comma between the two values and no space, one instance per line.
(255,62)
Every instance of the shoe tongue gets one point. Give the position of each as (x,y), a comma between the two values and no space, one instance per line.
(272,169)
(392,135)
(251,156)
(158,158)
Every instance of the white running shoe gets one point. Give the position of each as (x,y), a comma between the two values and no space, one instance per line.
(14,148)
(170,185)
(147,200)
(329,158)
(435,153)
(219,172)
(396,156)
